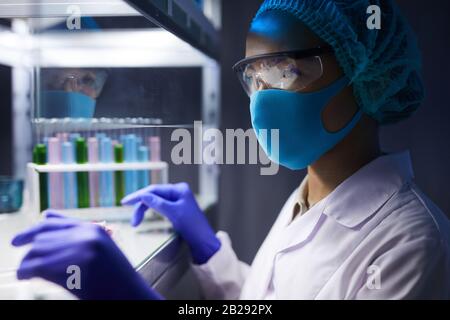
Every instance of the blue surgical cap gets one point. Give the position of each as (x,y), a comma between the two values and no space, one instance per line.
(384,65)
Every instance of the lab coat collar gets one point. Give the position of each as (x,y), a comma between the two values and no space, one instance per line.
(298,231)
(361,195)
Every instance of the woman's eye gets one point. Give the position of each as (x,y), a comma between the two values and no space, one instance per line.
(288,73)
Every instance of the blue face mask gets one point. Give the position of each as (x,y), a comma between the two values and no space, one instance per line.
(64,104)
(298,117)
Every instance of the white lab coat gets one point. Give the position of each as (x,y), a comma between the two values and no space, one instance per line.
(375,237)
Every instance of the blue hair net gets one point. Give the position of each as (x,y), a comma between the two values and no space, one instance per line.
(384,65)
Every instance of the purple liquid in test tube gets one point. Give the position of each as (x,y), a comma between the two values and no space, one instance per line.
(56,193)
(155,156)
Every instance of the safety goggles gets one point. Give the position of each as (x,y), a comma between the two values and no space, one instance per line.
(89,81)
(291,70)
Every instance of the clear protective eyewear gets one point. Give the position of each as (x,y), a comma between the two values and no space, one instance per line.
(291,70)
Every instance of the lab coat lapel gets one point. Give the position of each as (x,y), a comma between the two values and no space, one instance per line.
(262,267)
(283,236)
(301,230)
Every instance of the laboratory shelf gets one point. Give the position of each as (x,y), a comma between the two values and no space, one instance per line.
(109,49)
(184,19)
(58,8)
(52,126)
(99,167)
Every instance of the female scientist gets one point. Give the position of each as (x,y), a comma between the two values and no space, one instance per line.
(356,228)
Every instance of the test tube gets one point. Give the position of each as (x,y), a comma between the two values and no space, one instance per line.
(131,176)
(56,200)
(155,156)
(100,136)
(144,179)
(106,177)
(70,182)
(45,141)
(93,155)
(82,177)
(119,175)
(40,158)
(73,139)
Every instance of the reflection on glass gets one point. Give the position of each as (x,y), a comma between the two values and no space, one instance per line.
(70,93)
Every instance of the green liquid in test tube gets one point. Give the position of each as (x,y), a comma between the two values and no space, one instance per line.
(40,158)
(82,177)
(119,177)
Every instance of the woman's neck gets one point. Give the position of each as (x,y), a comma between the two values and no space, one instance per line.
(358,149)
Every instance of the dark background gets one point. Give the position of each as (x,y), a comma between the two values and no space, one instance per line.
(249,203)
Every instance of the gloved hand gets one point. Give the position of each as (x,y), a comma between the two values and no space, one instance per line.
(178,204)
(59,242)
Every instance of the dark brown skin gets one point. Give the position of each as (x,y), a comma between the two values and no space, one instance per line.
(361,146)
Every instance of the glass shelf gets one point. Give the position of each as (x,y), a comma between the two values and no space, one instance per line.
(57,8)
(183,18)
(51,126)
(126,48)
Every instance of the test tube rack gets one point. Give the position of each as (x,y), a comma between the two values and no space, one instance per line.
(34,171)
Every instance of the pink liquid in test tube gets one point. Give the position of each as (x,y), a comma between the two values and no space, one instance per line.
(155,149)
(155,156)
(56,193)
(94,177)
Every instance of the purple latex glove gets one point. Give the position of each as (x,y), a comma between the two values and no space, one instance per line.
(59,242)
(178,204)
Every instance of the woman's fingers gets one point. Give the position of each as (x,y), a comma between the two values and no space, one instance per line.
(54,214)
(139,214)
(169,192)
(28,236)
(159,204)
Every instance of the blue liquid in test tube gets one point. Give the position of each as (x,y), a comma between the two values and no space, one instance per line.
(144,179)
(131,177)
(69,178)
(107,194)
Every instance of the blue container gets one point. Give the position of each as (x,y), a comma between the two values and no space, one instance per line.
(11,191)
